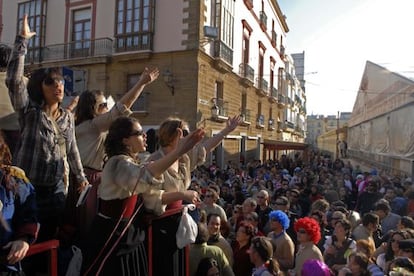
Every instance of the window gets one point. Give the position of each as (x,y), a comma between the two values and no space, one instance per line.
(81,32)
(134,24)
(223,20)
(36,11)
(246,42)
(141,103)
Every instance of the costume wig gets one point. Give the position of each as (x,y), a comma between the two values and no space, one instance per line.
(280,217)
(311,226)
(315,268)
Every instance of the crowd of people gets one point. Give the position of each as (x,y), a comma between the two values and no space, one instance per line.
(287,216)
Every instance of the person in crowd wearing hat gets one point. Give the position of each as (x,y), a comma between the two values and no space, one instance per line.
(261,252)
(388,219)
(283,246)
(294,206)
(308,232)
(407,248)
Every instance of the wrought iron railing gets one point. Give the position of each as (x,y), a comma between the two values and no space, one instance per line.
(221,50)
(246,71)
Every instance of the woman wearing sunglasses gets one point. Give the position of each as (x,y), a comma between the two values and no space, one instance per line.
(93,118)
(124,179)
(308,235)
(48,149)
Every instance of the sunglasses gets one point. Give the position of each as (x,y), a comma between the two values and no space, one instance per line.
(137,133)
(209,195)
(103,105)
(53,80)
(185,132)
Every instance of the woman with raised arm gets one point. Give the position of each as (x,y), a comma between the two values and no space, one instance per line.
(48,149)
(124,179)
(93,119)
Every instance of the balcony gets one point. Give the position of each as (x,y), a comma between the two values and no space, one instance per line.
(271,124)
(223,57)
(274,39)
(219,110)
(282,52)
(281,101)
(260,122)
(246,72)
(273,95)
(280,126)
(289,126)
(102,47)
(262,88)
(246,118)
(263,21)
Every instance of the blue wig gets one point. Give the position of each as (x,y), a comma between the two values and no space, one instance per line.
(281,217)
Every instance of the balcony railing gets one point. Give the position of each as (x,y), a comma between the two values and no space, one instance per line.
(246,71)
(75,49)
(289,125)
(246,117)
(221,50)
(260,122)
(219,110)
(273,93)
(281,99)
(282,52)
(271,124)
(263,20)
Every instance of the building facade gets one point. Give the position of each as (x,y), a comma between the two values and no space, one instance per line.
(217,58)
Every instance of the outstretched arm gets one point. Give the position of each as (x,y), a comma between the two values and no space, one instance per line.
(156,168)
(148,76)
(214,141)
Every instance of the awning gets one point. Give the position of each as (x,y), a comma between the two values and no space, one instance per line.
(283,145)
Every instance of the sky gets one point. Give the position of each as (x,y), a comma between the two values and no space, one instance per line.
(339,36)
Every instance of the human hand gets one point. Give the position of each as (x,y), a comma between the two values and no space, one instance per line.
(149,75)
(73,104)
(233,122)
(82,186)
(25,31)
(17,251)
(191,196)
(188,142)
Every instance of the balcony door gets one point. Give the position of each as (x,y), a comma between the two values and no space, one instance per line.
(81,33)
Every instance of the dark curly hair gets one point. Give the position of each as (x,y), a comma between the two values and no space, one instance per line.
(121,128)
(85,109)
(311,226)
(204,266)
(34,86)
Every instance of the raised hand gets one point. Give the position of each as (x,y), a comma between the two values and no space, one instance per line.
(188,142)
(149,75)
(25,31)
(232,123)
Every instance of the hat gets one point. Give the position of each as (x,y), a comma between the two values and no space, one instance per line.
(281,200)
(374,171)
(360,176)
(406,245)
(297,169)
